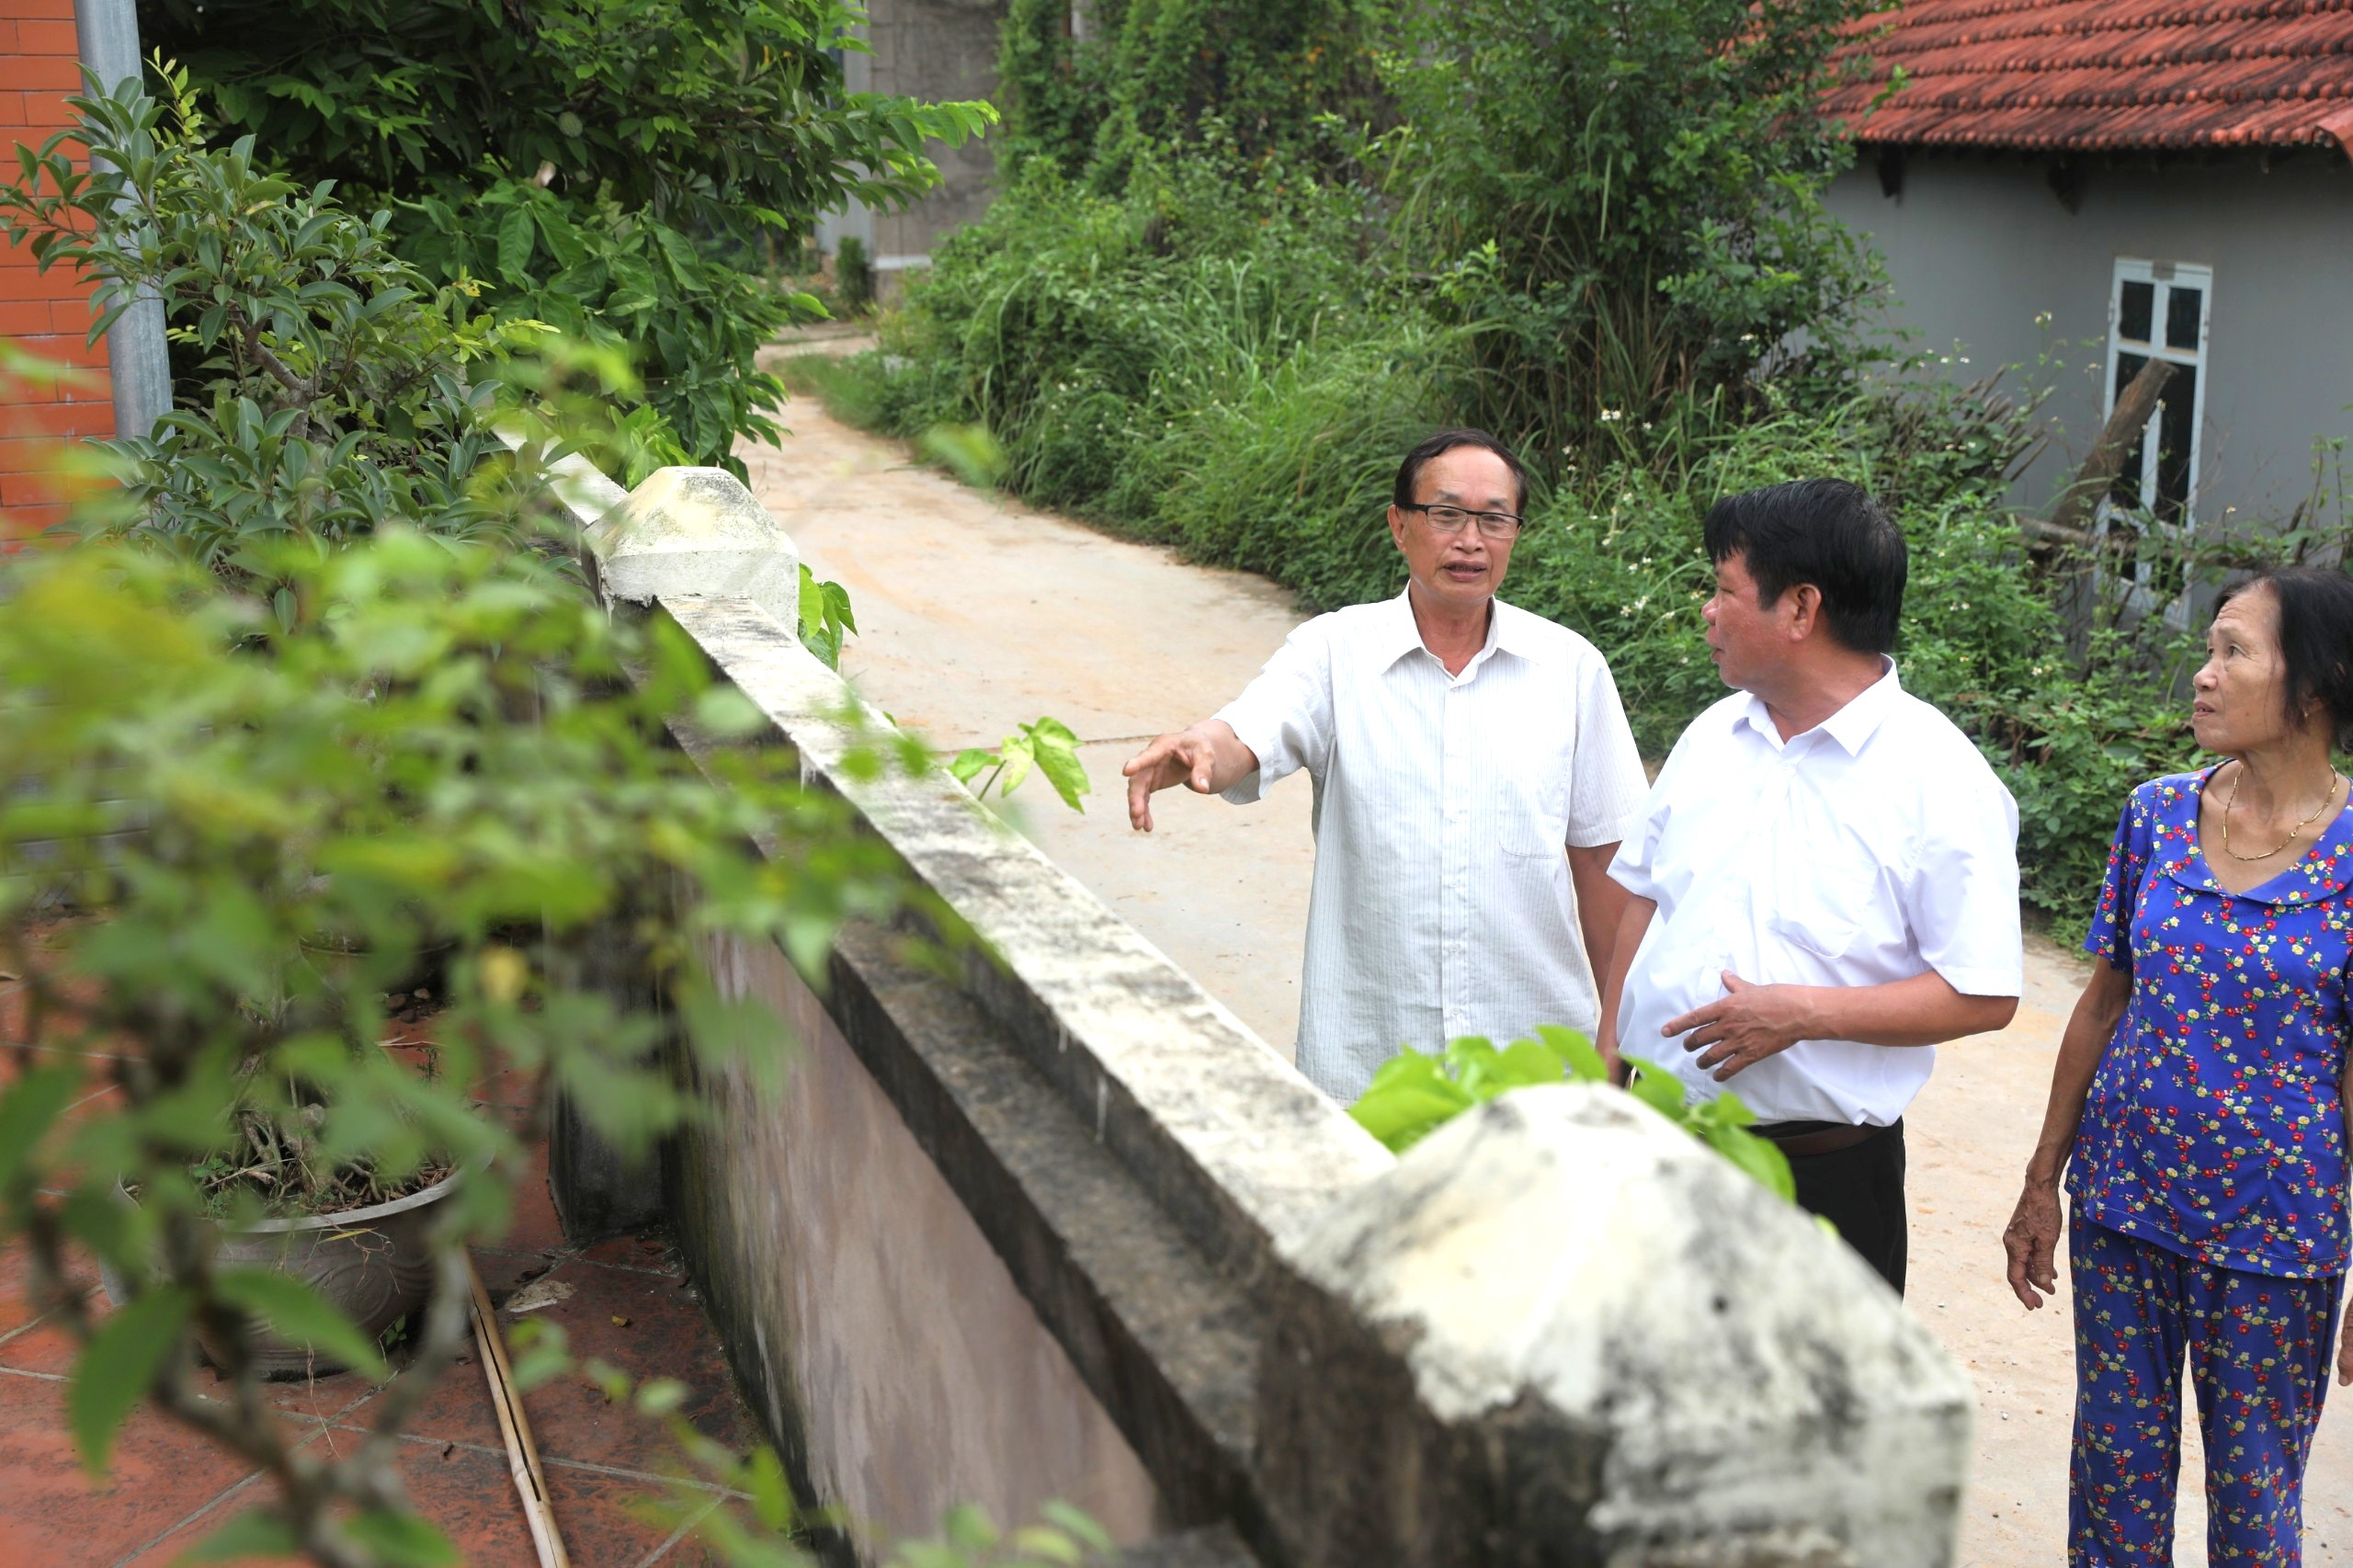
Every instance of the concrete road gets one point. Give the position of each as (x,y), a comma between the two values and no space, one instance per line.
(977,613)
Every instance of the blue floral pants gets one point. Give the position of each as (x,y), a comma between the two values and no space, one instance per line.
(2259,1352)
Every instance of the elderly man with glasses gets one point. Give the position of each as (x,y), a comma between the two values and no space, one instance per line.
(1473,775)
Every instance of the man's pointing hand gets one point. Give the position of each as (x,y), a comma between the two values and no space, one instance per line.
(1184,758)
(1208,759)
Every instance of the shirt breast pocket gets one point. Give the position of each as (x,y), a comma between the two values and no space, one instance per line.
(1533,836)
(1527,762)
(1825,897)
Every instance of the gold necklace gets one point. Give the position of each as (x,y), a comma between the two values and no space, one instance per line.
(2293,832)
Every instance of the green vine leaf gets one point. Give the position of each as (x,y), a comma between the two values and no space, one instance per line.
(1414,1094)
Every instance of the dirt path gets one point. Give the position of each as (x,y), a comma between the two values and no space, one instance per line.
(978,613)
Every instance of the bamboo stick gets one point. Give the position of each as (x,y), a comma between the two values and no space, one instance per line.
(522,1454)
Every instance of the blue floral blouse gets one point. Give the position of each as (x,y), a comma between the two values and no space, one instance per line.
(2215,1125)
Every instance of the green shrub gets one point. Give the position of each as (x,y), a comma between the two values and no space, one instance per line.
(1625,200)
(1287,472)
(1151,71)
(599,272)
(853,275)
(324,384)
(1083,330)
(436,754)
(587,163)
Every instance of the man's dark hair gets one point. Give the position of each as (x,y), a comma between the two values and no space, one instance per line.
(1402,493)
(2316,640)
(1822,531)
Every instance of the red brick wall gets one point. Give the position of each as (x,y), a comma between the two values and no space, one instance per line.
(48,313)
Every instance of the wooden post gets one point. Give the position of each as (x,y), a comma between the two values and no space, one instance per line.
(2124,427)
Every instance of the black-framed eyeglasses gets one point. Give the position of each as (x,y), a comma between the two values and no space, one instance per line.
(1451,520)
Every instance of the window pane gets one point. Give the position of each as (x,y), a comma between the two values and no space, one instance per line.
(2134,311)
(2126,490)
(2181,316)
(2175,435)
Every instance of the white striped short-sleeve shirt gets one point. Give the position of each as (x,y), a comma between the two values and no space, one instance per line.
(1441,906)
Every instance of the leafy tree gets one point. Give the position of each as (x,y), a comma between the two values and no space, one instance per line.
(1625,197)
(1149,73)
(585,163)
(324,384)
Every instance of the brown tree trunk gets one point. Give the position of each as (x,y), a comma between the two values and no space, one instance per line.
(2124,427)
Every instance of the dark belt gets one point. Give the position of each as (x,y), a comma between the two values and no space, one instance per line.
(1798,1138)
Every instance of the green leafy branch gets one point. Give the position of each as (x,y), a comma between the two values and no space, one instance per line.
(1048,747)
(1415,1093)
(826,619)
(1721,1123)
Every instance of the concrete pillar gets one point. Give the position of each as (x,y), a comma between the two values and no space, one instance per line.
(138,363)
(1561,1332)
(696,531)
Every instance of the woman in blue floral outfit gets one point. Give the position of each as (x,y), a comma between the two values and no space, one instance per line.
(2198,1104)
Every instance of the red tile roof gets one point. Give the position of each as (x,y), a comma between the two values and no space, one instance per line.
(2084,75)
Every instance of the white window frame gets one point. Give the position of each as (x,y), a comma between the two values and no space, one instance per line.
(2163,276)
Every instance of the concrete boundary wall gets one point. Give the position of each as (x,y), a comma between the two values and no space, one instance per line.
(1556,1332)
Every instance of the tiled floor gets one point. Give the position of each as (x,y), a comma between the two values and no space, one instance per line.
(628,1303)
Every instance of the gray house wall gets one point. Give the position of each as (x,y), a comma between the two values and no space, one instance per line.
(934,52)
(1977,245)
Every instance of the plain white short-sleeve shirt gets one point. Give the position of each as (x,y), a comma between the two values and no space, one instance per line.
(1441,904)
(1875,846)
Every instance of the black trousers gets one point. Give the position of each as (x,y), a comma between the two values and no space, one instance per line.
(1861,1190)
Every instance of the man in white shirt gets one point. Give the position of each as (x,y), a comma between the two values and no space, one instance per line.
(1459,746)
(1823,883)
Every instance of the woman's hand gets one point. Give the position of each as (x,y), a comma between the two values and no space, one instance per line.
(2032,1241)
(2033,1237)
(2345,1353)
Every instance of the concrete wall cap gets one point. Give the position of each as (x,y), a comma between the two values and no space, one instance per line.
(697,532)
(1564,1241)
